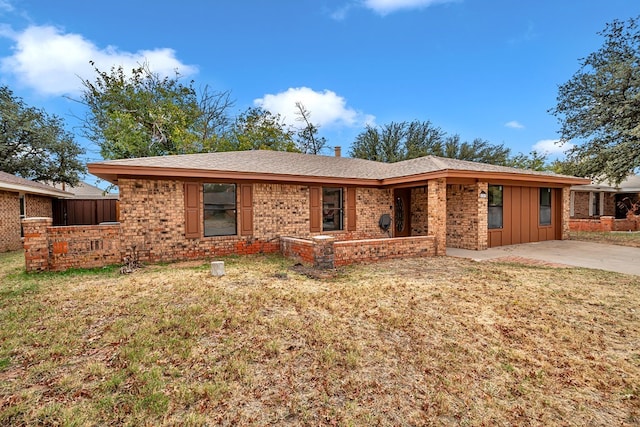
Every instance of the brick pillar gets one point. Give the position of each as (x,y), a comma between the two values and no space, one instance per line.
(482,242)
(566,213)
(437,213)
(36,243)
(607,223)
(323,252)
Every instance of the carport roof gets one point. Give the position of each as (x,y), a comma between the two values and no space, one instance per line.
(298,167)
(12,183)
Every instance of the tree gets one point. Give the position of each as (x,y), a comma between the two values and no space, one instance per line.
(308,140)
(407,140)
(143,114)
(259,129)
(599,107)
(477,151)
(35,145)
(533,161)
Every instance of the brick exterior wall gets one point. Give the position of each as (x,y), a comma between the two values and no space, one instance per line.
(36,243)
(326,252)
(371,204)
(604,223)
(437,213)
(38,206)
(467,216)
(84,246)
(419,211)
(566,212)
(152,217)
(10,239)
(50,248)
(581,205)
(372,250)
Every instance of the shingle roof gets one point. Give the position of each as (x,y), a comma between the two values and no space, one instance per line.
(307,165)
(630,185)
(16,183)
(264,162)
(85,190)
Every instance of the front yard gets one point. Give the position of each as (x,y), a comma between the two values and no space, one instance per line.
(439,341)
(623,238)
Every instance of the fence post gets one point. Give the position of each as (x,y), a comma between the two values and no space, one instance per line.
(36,243)
(608,223)
(323,252)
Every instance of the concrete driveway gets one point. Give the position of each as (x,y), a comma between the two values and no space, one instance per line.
(621,259)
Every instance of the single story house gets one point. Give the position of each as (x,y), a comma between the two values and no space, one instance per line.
(22,198)
(202,205)
(599,198)
(88,205)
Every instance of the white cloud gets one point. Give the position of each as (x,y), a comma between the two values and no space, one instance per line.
(514,125)
(52,62)
(327,108)
(6,6)
(384,7)
(552,147)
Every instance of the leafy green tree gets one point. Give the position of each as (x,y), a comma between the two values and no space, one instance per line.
(478,150)
(143,114)
(35,145)
(394,142)
(599,107)
(259,129)
(533,161)
(307,137)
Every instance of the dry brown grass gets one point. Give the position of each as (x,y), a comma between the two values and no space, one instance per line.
(622,238)
(439,341)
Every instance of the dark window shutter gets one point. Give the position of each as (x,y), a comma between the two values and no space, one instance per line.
(315,209)
(192,210)
(351,209)
(246,209)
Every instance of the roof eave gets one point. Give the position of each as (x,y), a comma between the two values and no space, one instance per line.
(111,173)
(33,190)
(487,176)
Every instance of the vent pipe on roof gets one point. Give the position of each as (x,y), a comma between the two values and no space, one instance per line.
(338,150)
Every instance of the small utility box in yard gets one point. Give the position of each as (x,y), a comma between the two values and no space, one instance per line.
(217,268)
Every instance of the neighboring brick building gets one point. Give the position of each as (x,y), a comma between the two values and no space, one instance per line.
(200,205)
(22,198)
(602,199)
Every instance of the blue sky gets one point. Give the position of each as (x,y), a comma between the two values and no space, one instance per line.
(481,69)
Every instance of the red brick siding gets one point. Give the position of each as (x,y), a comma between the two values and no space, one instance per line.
(38,206)
(607,223)
(466,216)
(437,213)
(372,250)
(298,249)
(419,211)
(9,221)
(83,246)
(581,205)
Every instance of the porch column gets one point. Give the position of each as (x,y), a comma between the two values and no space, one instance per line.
(482,194)
(36,243)
(437,213)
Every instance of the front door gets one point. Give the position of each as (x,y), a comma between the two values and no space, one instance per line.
(402,212)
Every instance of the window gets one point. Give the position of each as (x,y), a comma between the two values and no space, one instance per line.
(545,206)
(219,209)
(23,215)
(495,206)
(332,209)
